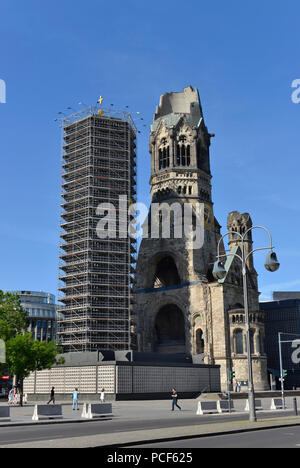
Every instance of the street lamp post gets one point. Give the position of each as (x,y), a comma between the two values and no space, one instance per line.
(281,371)
(219,272)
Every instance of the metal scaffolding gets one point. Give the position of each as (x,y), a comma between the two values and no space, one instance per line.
(96,275)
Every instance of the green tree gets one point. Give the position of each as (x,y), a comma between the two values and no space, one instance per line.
(25,355)
(13,318)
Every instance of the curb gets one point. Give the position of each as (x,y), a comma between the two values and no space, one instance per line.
(197,436)
(61,421)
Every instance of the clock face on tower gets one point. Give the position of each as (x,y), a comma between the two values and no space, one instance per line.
(208,216)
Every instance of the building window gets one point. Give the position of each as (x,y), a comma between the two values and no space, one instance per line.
(252,349)
(164,155)
(239,342)
(199,341)
(183,152)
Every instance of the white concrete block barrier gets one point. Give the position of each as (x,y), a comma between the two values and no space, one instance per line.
(276,404)
(96,410)
(223,406)
(47,412)
(4,413)
(258,405)
(207,407)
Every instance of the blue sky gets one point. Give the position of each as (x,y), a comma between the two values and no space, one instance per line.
(243,59)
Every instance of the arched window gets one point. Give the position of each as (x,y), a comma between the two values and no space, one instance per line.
(252,342)
(166,273)
(163,155)
(239,341)
(183,159)
(178,159)
(259,343)
(183,152)
(188,155)
(199,341)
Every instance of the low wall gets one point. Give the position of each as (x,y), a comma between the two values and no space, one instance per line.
(123,380)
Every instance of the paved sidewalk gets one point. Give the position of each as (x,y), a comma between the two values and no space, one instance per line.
(137,410)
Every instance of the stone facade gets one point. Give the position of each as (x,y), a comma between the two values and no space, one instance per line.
(180,307)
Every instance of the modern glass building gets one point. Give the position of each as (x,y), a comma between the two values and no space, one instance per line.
(282,315)
(41,309)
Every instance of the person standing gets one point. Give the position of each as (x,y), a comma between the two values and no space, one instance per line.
(102,395)
(75,399)
(52,396)
(174,397)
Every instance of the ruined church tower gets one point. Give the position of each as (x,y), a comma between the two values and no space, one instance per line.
(179,306)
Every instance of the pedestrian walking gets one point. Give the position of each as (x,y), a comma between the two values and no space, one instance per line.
(16,397)
(75,399)
(52,396)
(102,395)
(11,396)
(174,397)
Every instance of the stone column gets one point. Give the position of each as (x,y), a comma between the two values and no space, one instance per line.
(172,153)
(194,151)
(153,157)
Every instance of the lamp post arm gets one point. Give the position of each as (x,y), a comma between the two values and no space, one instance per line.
(231,254)
(225,235)
(259,227)
(255,250)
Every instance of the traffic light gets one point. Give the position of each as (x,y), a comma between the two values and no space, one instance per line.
(284,373)
(231,375)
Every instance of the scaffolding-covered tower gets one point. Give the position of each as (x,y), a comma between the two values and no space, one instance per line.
(96,274)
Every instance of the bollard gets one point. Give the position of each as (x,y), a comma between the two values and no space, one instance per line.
(295,406)
(229,402)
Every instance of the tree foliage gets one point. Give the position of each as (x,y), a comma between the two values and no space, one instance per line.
(25,355)
(13,318)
